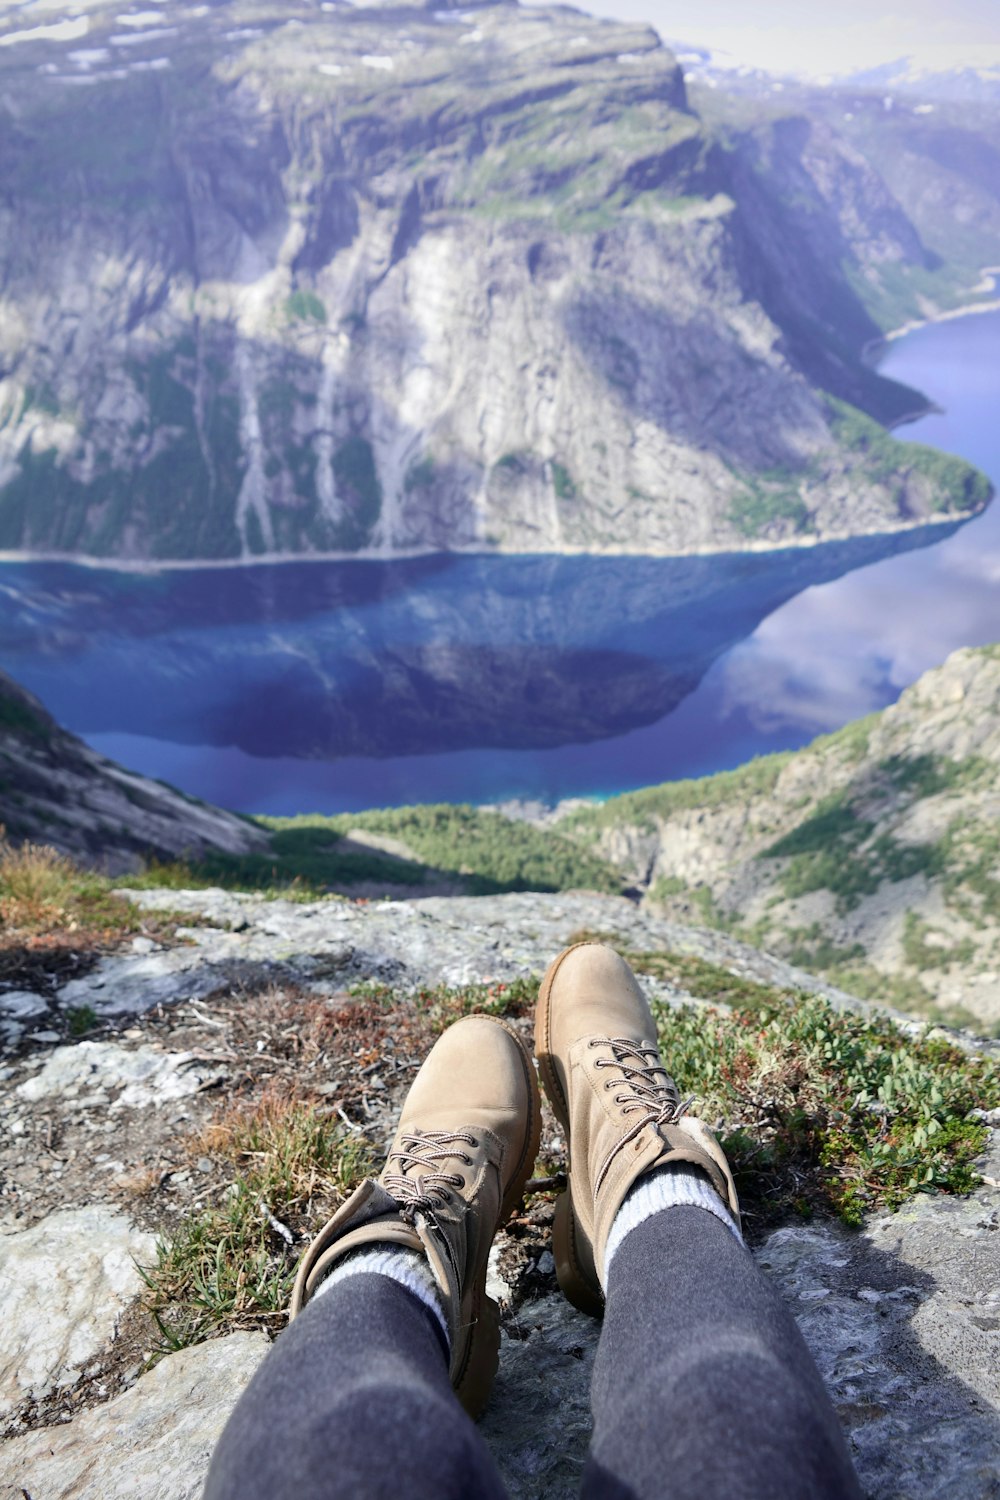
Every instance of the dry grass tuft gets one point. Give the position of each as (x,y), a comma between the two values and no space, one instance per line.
(285,1165)
(56,918)
(37,886)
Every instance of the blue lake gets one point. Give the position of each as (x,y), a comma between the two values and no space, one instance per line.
(329,687)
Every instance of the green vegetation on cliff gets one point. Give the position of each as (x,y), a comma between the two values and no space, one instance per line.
(955,484)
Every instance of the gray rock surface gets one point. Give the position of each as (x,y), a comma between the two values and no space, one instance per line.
(440,940)
(904,1322)
(91,1072)
(63,1286)
(152,1443)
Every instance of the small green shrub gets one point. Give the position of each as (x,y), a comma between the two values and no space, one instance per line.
(757,510)
(81,1019)
(305,307)
(562,482)
(829,1109)
(757,778)
(923,954)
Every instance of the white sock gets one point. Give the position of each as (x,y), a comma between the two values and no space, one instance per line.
(668,1187)
(408,1267)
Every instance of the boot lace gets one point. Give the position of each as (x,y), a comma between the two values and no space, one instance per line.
(430,1188)
(644,1088)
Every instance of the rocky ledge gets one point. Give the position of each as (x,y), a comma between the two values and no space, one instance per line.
(903,1315)
(56,790)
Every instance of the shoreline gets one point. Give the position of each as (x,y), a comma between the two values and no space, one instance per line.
(869,354)
(272,560)
(990,278)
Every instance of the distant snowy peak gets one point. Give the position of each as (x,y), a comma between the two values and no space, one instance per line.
(932,77)
(968,82)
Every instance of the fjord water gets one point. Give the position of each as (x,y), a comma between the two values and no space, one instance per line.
(336,686)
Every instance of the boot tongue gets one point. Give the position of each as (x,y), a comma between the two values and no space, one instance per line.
(378,1205)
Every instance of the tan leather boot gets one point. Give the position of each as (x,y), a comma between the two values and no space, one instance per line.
(619,1109)
(464,1149)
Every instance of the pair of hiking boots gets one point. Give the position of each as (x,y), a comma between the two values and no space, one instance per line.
(469,1133)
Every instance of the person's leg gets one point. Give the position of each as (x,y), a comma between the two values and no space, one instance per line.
(703,1387)
(391,1326)
(354,1402)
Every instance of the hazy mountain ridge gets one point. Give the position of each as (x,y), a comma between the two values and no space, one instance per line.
(335,280)
(936,157)
(56,790)
(870,857)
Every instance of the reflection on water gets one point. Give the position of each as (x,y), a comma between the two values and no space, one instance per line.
(839,651)
(329,660)
(332,686)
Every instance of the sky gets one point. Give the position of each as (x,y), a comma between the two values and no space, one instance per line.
(843,36)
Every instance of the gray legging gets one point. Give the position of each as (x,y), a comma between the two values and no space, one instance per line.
(703,1390)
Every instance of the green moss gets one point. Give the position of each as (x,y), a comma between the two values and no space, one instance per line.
(666,888)
(562,482)
(760,510)
(852,740)
(969,857)
(923,954)
(812,949)
(305,307)
(833,850)
(828,1109)
(930,775)
(81,1019)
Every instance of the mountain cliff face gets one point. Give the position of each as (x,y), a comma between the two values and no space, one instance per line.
(300,279)
(891,183)
(871,856)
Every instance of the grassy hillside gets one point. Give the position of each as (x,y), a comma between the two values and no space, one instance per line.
(403,851)
(872,857)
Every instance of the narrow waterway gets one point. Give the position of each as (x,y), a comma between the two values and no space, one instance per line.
(328,687)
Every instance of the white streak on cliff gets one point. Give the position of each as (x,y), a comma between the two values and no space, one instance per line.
(326,485)
(253,490)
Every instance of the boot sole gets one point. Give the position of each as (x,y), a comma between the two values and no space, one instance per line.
(474,1381)
(576,1285)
